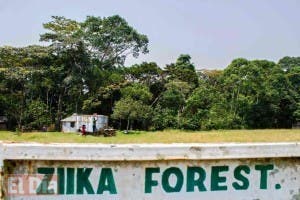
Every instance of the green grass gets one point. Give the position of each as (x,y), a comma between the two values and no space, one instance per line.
(167,136)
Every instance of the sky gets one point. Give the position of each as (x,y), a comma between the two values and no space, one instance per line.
(213,32)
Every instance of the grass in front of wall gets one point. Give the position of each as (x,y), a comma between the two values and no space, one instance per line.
(166,136)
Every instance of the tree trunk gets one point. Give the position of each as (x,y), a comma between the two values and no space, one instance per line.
(128,123)
(47,97)
(58,115)
(20,119)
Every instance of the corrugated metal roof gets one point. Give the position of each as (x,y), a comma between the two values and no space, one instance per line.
(70,119)
(73,118)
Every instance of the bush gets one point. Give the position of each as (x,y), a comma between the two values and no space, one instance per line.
(164,118)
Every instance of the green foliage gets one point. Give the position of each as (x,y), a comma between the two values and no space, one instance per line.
(64,33)
(137,92)
(259,93)
(164,118)
(145,73)
(172,99)
(198,106)
(183,70)
(37,115)
(297,112)
(82,71)
(288,63)
(111,39)
(130,109)
(220,118)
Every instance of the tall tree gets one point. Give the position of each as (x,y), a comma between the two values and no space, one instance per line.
(84,51)
(183,70)
(291,66)
(259,93)
(111,39)
(21,69)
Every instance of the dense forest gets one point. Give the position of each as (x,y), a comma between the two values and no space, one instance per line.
(81,70)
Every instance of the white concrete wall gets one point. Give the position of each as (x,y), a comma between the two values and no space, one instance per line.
(86,120)
(157,171)
(66,127)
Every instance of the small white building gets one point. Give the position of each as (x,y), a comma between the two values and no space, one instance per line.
(75,122)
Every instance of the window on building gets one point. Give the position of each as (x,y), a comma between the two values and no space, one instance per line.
(72,124)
